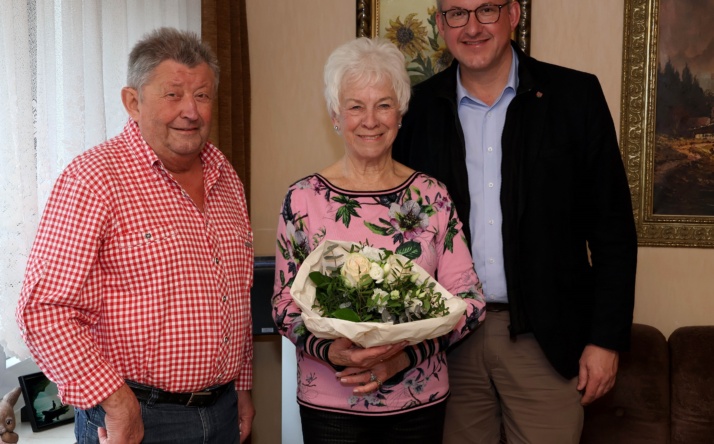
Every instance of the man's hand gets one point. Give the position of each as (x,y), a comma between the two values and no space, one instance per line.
(598,368)
(123,418)
(246,413)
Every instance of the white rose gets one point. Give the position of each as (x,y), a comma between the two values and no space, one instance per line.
(354,268)
(376,273)
(379,295)
(414,303)
(414,306)
(380,298)
(371,253)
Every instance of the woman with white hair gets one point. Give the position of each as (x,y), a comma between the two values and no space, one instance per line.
(393,393)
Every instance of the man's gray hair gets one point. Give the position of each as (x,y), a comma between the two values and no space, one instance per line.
(162,44)
(366,61)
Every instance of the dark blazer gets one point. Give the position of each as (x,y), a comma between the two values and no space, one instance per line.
(569,238)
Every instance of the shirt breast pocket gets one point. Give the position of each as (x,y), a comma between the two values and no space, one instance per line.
(245,242)
(146,237)
(245,237)
(147,260)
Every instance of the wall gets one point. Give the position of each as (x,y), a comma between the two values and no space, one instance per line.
(292,136)
(291,131)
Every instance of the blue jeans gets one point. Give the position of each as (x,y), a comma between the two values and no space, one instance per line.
(171,423)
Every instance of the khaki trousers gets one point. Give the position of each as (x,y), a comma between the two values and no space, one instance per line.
(496,382)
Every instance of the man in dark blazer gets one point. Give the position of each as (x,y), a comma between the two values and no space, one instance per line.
(529,154)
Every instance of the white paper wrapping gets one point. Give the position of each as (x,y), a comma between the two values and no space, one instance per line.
(367,334)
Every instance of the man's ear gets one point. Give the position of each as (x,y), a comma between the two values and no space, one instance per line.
(514,14)
(440,23)
(130,99)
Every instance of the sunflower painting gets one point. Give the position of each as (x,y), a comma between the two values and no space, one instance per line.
(415,34)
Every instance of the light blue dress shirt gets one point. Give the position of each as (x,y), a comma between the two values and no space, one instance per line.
(483,126)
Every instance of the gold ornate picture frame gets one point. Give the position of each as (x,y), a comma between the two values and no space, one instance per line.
(413,24)
(668,148)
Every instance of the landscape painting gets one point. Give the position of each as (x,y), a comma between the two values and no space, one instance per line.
(684,118)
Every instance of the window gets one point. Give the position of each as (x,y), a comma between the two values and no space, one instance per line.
(62,66)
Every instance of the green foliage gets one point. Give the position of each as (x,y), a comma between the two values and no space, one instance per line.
(371,285)
(411,249)
(347,210)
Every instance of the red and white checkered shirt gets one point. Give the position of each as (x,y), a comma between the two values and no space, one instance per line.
(127,279)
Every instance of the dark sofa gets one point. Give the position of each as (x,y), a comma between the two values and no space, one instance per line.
(664,391)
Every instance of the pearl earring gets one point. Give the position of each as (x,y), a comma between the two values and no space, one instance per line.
(337,128)
(400,125)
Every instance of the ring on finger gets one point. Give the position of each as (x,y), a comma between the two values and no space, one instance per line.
(373,378)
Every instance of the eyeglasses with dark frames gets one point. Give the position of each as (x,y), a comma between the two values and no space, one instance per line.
(485,14)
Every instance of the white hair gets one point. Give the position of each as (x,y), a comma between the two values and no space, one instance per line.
(366,61)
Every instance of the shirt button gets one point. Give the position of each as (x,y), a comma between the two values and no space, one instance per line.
(224,298)
(490,221)
(491,261)
(490,149)
(216,260)
(225,339)
(147,235)
(490,184)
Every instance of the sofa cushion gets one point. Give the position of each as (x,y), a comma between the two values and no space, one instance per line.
(692,367)
(637,409)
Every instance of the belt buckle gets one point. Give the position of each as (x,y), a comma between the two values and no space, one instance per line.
(199,399)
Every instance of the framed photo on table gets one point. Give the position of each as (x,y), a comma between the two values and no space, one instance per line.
(44,408)
(667,128)
(411,25)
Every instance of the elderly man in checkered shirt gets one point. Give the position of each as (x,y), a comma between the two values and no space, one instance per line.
(136,299)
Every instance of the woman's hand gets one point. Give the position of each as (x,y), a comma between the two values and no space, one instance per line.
(346,354)
(372,378)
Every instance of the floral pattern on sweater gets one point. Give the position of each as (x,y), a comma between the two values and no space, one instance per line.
(416,219)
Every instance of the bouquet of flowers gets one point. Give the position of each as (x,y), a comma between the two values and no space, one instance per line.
(371,296)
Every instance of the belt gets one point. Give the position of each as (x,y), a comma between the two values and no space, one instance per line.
(496,306)
(203,398)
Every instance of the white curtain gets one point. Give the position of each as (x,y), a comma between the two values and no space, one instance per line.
(62,66)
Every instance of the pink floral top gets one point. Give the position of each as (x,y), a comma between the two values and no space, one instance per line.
(417,219)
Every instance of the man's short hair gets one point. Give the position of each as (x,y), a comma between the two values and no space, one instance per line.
(162,44)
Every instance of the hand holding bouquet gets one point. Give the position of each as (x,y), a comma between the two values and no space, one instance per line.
(371,296)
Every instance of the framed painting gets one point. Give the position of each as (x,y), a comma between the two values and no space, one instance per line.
(411,24)
(667,128)
(44,408)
